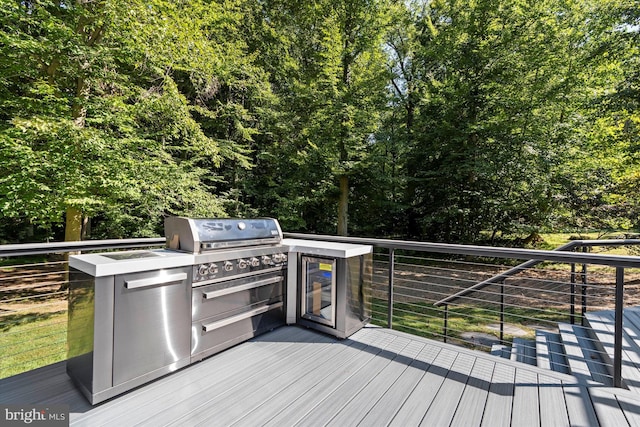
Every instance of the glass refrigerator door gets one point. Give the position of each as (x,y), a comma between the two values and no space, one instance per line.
(319,290)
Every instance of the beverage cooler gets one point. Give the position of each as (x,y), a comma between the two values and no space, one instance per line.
(329,286)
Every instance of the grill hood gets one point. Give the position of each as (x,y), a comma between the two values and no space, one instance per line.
(198,235)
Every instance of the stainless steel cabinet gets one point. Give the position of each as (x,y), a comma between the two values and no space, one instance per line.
(128,329)
(152,317)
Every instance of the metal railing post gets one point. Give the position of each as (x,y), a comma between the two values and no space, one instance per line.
(617,340)
(584,287)
(572,296)
(392,258)
(445,330)
(502,311)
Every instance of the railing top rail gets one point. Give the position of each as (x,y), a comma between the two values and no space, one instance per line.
(624,261)
(558,255)
(616,260)
(55,247)
(604,242)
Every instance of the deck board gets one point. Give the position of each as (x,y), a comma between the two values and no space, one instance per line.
(171,397)
(603,325)
(444,406)
(497,411)
(307,400)
(363,401)
(377,377)
(579,405)
(553,407)
(526,404)
(395,396)
(210,391)
(414,407)
(349,360)
(325,409)
(473,401)
(269,384)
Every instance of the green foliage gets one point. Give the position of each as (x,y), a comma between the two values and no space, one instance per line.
(123,111)
(330,83)
(501,113)
(445,119)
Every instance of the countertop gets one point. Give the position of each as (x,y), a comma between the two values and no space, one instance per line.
(104,264)
(330,249)
(124,262)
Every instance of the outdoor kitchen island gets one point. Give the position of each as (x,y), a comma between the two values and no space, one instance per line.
(135,316)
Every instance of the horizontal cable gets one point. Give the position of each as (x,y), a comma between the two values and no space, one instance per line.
(31,297)
(30,276)
(40,326)
(38,264)
(33,349)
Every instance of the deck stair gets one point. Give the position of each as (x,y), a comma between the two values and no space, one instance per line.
(550,352)
(585,351)
(501,351)
(524,351)
(601,323)
(584,354)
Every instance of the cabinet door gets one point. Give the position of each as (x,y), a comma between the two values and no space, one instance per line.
(152,323)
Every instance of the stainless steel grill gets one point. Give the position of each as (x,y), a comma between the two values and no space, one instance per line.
(237,278)
(202,235)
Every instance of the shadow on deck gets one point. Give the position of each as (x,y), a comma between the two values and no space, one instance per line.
(377,377)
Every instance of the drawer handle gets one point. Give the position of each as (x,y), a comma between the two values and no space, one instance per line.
(153,281)
(224,322)
(232,289)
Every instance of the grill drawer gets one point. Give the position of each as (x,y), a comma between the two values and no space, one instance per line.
(227,298)
(212,335)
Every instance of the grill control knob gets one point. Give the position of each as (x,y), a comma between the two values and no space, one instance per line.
(228,266)
(279,258)
(213,269)
(242,264)
(266,260)
(203,269)
(255,262)
(283,257)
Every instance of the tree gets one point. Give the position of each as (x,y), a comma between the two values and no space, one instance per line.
(122,112)
(502,87)
(331,86)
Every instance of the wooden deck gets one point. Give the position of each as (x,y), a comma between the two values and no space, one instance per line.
(378,377)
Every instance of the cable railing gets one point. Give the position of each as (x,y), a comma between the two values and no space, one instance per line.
(34,300)
(426,289)
(541,311)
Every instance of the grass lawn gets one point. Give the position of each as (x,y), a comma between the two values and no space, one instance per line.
(423,319)
(30,345)
(554,240)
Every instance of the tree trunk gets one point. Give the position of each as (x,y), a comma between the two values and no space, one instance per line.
(72,233)
(73,225)
(343,205)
